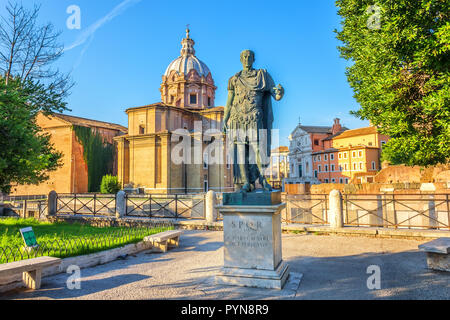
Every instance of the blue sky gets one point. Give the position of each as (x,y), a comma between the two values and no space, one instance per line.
(120,64)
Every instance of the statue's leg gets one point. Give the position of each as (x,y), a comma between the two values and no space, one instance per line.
(243,170)
(257,156)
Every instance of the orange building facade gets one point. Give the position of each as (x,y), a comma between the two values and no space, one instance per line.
(350,156)
(72,177)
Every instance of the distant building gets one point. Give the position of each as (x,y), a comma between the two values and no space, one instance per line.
(279,166)
(145,153)
(359,153)
(76,175)
(325,162)
(304,142)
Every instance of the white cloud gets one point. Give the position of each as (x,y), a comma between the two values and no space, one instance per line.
(89,32)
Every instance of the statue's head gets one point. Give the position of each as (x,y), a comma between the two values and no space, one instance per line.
(247,59)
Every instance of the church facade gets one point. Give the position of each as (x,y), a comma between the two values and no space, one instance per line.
(149,155)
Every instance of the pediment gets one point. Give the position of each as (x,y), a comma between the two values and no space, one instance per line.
(193,86)
(298,132)
(193,75)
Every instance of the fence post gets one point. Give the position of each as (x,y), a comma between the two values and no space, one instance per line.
(210,203)
(176,206)
(24,209)
(52,204)
(336,216)
(121,204)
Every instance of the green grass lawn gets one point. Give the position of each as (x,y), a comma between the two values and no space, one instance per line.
(64,239)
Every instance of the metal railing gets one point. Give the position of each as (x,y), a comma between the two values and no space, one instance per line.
(7,198)
(28,208)
(412,211)
(86,204)
(64,248)
(166,206)
(305,209)
(415,211)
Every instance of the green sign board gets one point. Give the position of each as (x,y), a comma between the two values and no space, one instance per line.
(29,237)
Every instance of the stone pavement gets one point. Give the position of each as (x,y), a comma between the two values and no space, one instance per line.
(333,267)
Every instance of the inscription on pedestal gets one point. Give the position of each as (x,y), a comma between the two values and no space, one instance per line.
(249,242)
(252,247)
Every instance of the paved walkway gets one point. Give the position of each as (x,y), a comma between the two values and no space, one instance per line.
(333,267)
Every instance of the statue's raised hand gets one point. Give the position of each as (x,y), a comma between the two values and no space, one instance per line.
(278,92)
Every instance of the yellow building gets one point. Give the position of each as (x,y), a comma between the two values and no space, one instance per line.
(148,156)
(359,153)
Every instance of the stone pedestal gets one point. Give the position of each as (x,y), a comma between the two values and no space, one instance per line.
(252,246)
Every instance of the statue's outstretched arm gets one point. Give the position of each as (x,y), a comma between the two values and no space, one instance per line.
(276,92)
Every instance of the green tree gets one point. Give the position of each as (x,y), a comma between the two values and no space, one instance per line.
(28,85)
(26,153)
(400,73)
(110,185)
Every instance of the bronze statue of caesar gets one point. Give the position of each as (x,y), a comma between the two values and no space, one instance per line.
(248,122)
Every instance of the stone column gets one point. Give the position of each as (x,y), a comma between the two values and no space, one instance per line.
(210,203)
(24,209)
(121,204)
(430,215)
(52,203)
(336,215)
(252,246)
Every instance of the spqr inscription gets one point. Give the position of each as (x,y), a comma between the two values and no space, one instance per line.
(246,235)
(246,225)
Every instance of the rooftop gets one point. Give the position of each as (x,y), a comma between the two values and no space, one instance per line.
(281,149)
(88,122)
(316,129)
(335,135)
(357,132)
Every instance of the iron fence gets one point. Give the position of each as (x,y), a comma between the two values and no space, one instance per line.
(190,206)
(7,198)
(301,209)
(63,248)
(86,204)
(412,211)
(305,209)
(31,208)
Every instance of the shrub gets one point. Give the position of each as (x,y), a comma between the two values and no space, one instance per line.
(110,185)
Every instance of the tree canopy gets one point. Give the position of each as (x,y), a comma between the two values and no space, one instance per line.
(400,58)
(28,85)
(26,153)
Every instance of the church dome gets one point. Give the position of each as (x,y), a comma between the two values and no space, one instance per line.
(187,60)
(184,64)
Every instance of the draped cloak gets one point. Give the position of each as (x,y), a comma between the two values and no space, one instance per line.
(251,109)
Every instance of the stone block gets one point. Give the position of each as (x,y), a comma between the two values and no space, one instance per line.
(427,187)
(252,247)
(441,245)
(267,279)
(438,257)
(438,261)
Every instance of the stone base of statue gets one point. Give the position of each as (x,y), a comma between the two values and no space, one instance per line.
(252,243)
